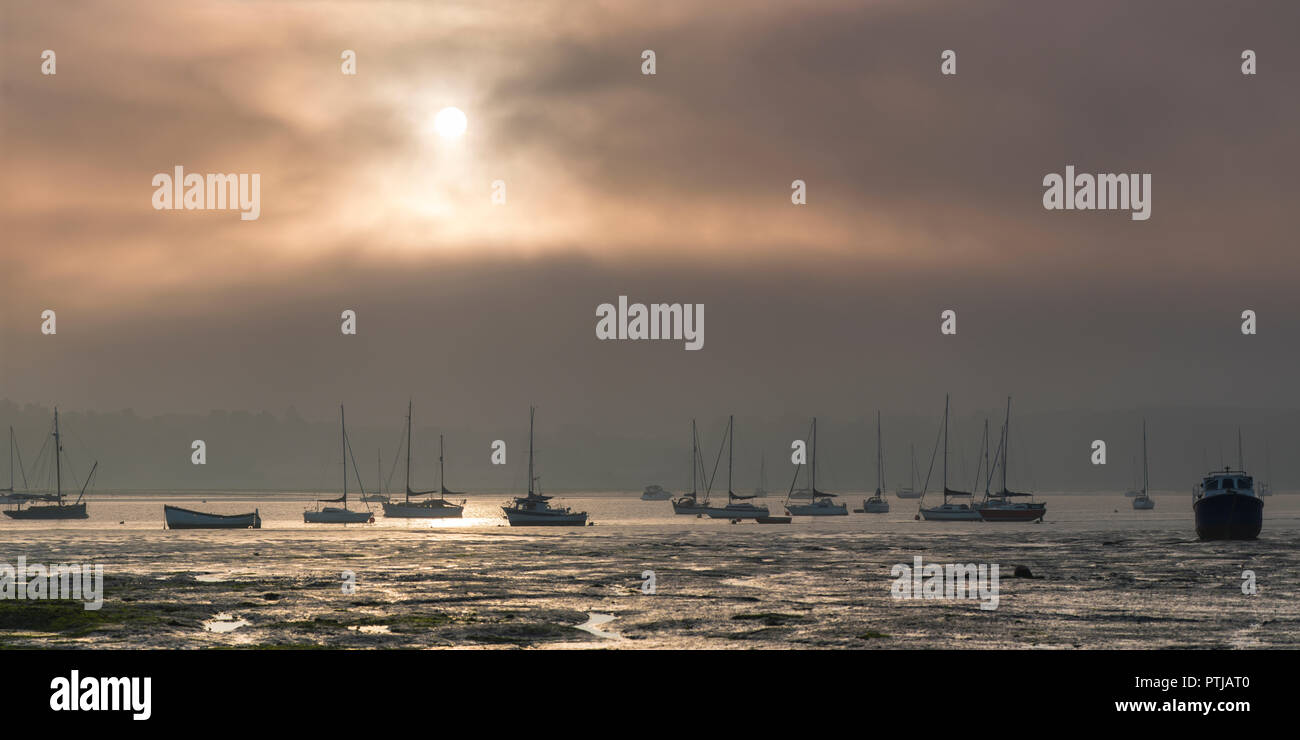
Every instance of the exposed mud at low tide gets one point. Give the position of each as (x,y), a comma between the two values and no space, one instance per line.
(716,588)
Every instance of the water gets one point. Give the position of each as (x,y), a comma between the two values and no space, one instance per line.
(1106,576)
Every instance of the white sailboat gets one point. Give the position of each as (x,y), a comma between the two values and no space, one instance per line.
(877,504)
(1142,501)
(821,503)
(738,507)
(948,511)
(430,508)
(535,510)
(340,514)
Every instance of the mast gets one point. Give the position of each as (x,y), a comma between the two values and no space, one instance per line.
(880,464)
(693,447)
(913,485)
(945,448)
(442,480)
(408,450)
(1241,463)
(988,471)
(731,443)
(1144,457)
(379,471)
(531,412)
(1006,447)
(58,460)
(813,495)
(344,444)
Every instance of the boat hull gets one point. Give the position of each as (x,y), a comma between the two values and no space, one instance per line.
(875,507)
(817,510)
(540,519)
(1227,516)
(1144,503)
(178,518)
(337,516)
(740,512)
(690,509)
(1013,513)
(940,514)
(423,511)
(907,494)
(71,511)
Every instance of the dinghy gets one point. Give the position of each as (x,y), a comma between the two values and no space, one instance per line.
(178,518)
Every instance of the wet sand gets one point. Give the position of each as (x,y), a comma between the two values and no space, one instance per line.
(717,586)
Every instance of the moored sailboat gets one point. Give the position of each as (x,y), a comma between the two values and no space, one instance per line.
(948,511)
(1143,501)
(738,506)
(876,504)
(691,503)
(535,510)
(821,503)
(1007,505)
(910,491)
(430,508)
(337,514)
(53,507)
(9,495)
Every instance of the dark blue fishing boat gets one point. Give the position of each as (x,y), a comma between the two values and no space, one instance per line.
(1227,506)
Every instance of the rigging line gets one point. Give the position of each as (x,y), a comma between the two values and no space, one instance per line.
(360,488)
(933,454)
(709,486)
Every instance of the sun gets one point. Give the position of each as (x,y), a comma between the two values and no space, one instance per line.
(450,123)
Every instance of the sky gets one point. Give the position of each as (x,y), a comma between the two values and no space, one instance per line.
(924,194)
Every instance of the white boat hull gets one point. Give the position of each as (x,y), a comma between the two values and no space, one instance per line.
(875,507)
(1144,503)
(951,514)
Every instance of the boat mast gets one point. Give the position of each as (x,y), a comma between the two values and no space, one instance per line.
(531,412)
(988,470)
(945,448)
(1144,457)
(58,460)
(880,464)
(1006,447)
(1241,463)
(442,480)
(344,444)
(408,450)
(731,443)
(913,484)
(813,466)
(693,447)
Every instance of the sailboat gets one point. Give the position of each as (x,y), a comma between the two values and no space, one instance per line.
(738,507)
(948,511)
(378,495)
(430,508)
(761,491)
(9,495)
(877,504)
(535,509)
(820,502)
(1225,504)
(54,508)
(910,491)
(690,503)
(1003,506)
(1142,500)
(336,514)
